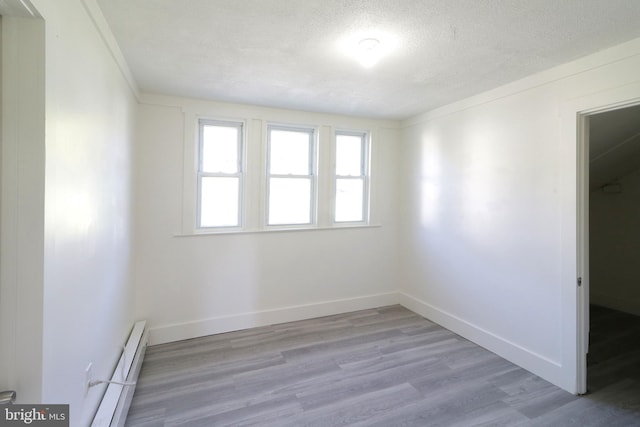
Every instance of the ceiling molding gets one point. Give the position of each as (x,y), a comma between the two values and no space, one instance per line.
(101,25)
(18,8)
(582,65)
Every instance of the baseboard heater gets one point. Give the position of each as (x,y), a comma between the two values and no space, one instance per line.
(115,403)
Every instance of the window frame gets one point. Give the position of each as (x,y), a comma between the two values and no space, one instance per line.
(312,176)
(240,173)
(365,176)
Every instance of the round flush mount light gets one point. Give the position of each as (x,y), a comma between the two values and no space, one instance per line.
(368,47)
(369,52)
(368,44)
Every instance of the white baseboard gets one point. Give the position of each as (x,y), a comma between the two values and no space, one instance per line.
(626,305)
(217,325)
(539,365)
(542,366)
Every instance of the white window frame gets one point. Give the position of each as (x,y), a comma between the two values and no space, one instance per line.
(240,174)
(312,176)
(365,172)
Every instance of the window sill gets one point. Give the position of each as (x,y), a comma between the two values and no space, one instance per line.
(276,230)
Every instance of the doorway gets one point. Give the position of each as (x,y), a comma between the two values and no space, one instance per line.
(614,245)
(608,151)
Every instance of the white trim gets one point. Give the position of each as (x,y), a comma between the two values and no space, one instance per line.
(190,211)
(574,236)
(240,173)
(217,325)
(23,141)
(365,174)
(378,194)
(256,119)
(255,161)
(277,229)
(312,176)
(18,9)
(269,114)
(550,370)
(582,247)
(188,221)
(325,191)
(255,184)
(101,25)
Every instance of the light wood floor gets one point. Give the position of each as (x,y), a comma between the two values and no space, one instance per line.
(381,367)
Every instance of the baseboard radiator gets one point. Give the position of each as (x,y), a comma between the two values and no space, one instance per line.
(115,403)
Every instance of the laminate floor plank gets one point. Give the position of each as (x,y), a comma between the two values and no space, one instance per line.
(443,407)
(355,382)
(358,407)
(381,367)
(497,414)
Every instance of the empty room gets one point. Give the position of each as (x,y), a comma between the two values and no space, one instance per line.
(320,213)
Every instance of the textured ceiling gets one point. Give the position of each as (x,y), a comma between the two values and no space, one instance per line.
(288,53)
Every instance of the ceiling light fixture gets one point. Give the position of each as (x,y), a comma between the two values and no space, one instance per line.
(369,52)
(368,47)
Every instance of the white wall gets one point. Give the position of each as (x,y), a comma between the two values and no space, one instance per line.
(197,285)
(489,239)
(615,246)
(87,296)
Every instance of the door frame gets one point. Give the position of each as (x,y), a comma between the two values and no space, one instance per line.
(575,119)
(22,102)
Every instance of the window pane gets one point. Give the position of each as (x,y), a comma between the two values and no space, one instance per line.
(349,200)
(220,149)
(219,202)
(348,155)
(289,201)
(289,152)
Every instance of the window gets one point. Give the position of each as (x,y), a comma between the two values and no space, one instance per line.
(247,174)
(291,175)
(220,174)
(351,177)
